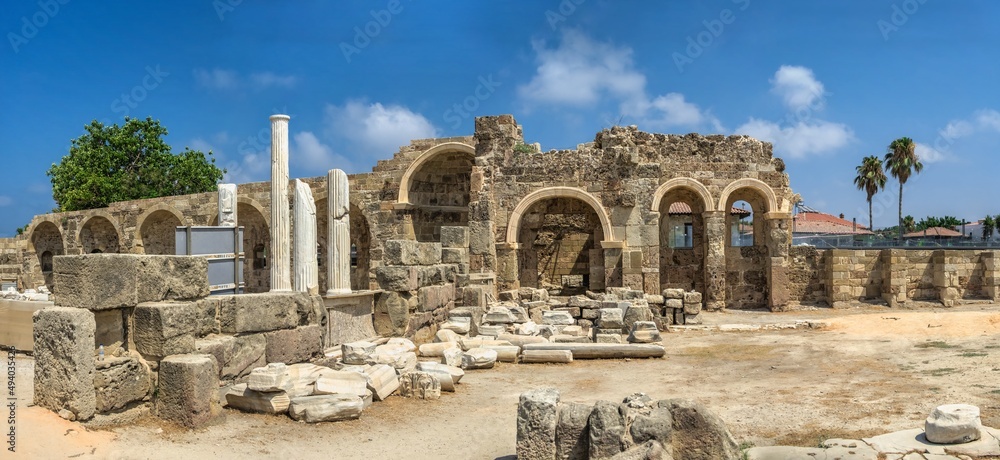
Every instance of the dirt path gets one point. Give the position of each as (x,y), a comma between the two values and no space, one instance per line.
(870,371)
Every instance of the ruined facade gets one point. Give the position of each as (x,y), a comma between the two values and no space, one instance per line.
(591,218)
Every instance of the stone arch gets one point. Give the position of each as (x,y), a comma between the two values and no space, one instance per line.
(686,183)
(514,223)
(45,241)
(99,232)
(406,181)
(154,232)
(770,199)
(256,245)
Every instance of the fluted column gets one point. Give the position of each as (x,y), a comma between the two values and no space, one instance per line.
(338,237)
(306,265)
(280,256)
(227,205)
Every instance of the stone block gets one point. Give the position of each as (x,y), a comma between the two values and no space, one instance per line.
(573,311)
(635,314)
(491,331)
(509,296)
(607,431)
(271,378)
(583,302)
(242,398)
(259,312)
(358,353)
(63,346)
(454,255)
(397,278)
(557,318)
(341,382)
(953,424)
(454,237)
(474,296)
(573,431)
(447,376)
(698,432)
(235,356)
(537,419)
(452,357)
(297,345)
(435,350)
(119,382)
(608,338)
(408,252)
(611,318)
(673,294)
(479,358)
(457,325)
(186,389)
(382,381)
(505,353)
(692,297)
(644,332)
(498,315)
(675,304)
(420,385)
(106,281)
(325,408)
(520,314)
(163,329)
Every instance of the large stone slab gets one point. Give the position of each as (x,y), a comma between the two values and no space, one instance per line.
(537,418)
(235,356)
(382,381)
(953,424)
(901,442)
(358,353)
(107,281)
(607,431)
(644,332)
(64,361)
(602,350)
(326,408)
(479,358)
(274,377)
(445,374)
(397,278)
(164,328)
(573,431)
(294,345)
(699,433)
(261,312)
(861,452)
(342,382)
(186,389)
(119,382)
(242,398)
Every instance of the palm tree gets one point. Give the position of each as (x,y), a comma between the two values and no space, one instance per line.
(909,224)
(988,225)
(870,178)
(901,160)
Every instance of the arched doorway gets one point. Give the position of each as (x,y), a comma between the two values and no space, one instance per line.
(682,241)
(99,235)
(560,241)
(436,189)
(256,246)
(46,242)
(747,253)
(157,232)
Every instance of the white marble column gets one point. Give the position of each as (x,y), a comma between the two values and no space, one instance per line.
(306,265)
(338,238)
(227,205)
(280,256)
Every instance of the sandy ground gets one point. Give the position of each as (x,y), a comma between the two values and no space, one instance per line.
(872,370)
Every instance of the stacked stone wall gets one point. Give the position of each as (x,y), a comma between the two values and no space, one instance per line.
(808,275)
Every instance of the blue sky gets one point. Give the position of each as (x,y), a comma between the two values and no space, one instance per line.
(827,82)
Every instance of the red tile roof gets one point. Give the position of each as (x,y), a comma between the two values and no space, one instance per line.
(822,223)
(933,231)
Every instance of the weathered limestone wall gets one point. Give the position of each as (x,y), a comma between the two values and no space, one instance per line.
(808,277)
(856,274)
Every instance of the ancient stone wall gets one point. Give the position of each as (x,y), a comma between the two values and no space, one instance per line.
(808,274)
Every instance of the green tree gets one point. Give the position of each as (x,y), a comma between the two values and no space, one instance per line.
(989,224)
(901,161)
(908,225)
(128,162)
(871,179)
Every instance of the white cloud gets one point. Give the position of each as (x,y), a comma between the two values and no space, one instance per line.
(379,130)
(268,79)
(983,120)
(230,80)
(5,201)
(314,153)
(798,87)
(581,71)
(801,139)
(217,79)
(928,154)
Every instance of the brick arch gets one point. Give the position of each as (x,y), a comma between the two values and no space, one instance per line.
(514,223)
(429,154)
(771,201)
(99,214)
(141,221)
(686,183)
